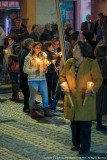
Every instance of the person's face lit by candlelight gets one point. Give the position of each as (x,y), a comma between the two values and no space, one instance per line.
(37,49)
(77,52)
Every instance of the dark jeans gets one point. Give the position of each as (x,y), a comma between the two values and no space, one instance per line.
(57,96)
(14,77)
(55,80)
(49,78)
(26,93)
(81,133)
(1,55)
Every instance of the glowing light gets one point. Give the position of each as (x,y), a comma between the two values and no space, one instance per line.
(90,85)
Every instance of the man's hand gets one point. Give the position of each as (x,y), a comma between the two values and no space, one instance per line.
(90,92)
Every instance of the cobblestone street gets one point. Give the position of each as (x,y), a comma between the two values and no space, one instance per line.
(23,138)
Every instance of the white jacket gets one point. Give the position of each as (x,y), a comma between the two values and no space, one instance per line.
(2,36)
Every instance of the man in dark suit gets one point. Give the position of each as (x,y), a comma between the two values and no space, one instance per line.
(87,25)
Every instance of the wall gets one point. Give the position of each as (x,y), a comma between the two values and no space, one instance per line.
(100,6)
(28,10)
(45,12)
(82,8)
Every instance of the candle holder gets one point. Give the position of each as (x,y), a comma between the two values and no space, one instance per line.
(89,87)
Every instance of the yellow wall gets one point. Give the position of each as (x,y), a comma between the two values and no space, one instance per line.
(28,9)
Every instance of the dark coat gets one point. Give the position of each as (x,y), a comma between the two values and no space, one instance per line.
(23,76)
(84,26)
(50,34)
(102,93)
(22,33)
(50,57)
(34,37)
(95,27)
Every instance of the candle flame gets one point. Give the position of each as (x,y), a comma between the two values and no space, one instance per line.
(6,51)
(90,85)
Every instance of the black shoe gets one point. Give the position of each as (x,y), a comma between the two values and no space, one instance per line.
(47,112)
(36,102)
(76,148)
(52,108)
(101,128)
(84,152)
(26,110)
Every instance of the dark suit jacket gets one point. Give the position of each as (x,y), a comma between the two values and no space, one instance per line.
(84,26)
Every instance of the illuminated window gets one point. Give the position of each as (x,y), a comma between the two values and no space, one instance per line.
(4,3)
(11,4)
(17,4)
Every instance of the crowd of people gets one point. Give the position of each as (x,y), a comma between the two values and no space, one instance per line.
(32,60)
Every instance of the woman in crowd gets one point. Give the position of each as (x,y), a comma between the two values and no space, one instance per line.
(35,68)
(13,49)
(101,58)
(34,35)
(27,46)
(82,109)
(51,68)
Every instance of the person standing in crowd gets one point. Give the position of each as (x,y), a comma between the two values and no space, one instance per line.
(99,16)
(74,37)
(56,49)
(35,68)
(2,37)
(89,35)
(87,25)
(22,33)
(24,22)
(48,30)
(76,73)
(27,46)
(51,68)
(104,34)
(34,34)
(67,26)
(101,58)
(99,30)
(13,65)
(58,91)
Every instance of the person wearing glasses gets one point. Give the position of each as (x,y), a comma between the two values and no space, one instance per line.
(35,68)
(82,109)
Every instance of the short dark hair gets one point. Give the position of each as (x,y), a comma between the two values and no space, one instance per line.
(74,36)
(100,14)
(17,19)
(89,35)
(33,27)
(13,37)
(101,50)
(86,49)
(55,40)
(47,44)
(27,42)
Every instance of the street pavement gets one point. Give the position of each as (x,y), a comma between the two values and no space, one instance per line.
(23,138)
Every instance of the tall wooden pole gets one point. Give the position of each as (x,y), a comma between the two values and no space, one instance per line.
(61,30)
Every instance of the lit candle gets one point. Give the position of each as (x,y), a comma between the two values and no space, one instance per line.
(53,61)
(6,51)
(44,54)
(60,54)
(64,85)
(89,87)
(47,62)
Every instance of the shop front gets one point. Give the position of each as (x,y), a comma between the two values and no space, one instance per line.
(9,10)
